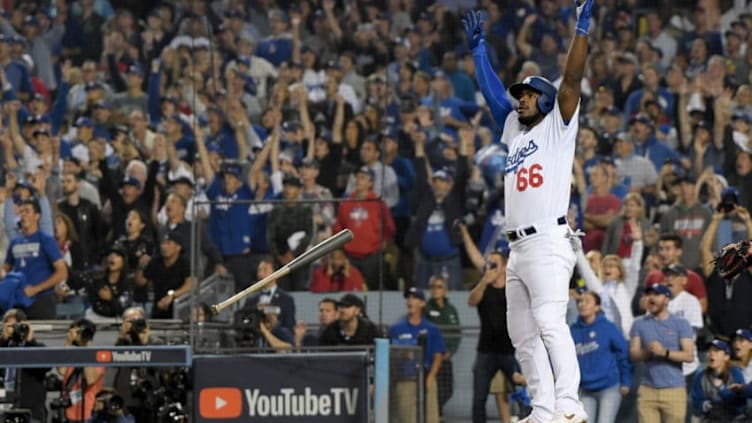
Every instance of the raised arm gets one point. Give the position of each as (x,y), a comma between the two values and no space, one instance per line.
(592,282)
(203,155)
(490,85)
(574,70)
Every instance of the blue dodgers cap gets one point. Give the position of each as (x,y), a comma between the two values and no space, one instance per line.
(84,121)
(102,133)
(130,180)
(232,169)
(721,345)
(175,237)
(415,292)
(659,289)
(744,333)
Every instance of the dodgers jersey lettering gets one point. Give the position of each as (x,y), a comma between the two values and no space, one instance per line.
(538,171)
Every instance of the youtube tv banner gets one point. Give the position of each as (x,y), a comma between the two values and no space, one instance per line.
(325,387)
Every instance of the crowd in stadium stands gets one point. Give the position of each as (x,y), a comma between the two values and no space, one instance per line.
(125,122)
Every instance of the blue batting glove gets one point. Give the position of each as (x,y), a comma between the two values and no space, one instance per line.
(584,12)
(473,24)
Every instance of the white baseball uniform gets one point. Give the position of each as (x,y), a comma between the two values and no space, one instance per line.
(537,189)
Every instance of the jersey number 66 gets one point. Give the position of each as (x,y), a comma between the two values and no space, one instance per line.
(531,177)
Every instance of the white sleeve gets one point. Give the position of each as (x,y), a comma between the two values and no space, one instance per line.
(694,313)
(592,282)
(632,267)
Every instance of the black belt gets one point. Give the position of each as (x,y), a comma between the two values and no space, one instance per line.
(521,233)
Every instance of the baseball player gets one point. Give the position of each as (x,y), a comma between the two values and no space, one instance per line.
(541,136)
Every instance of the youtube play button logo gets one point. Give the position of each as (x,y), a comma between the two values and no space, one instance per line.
(220,403)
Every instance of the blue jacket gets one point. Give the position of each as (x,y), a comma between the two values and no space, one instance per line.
(724,403)
(602,353)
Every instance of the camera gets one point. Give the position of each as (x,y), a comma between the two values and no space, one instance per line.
(248,327)
(137,327)
(20,332)
(729,200)
(60,403)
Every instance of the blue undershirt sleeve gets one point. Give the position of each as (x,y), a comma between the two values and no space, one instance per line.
(491,86)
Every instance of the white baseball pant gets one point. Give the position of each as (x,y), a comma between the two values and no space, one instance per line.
(538,273)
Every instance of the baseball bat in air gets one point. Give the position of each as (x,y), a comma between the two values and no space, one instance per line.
(324,247)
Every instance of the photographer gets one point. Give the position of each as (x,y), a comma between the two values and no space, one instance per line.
(260,328)
(80,385)
(109,408)
(131,382)
(28,390)
(275,335)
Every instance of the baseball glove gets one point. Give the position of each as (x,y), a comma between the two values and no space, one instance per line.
(732,259)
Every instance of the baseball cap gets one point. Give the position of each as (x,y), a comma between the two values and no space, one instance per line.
(290,179)
(130,180)
(309,162)
(703,124)
(291,125)
(674,269)
(444,174)
(627,57)
(31,20)
(173,236)
(414,292)
(182,179)
(612,110)
(685,179)
(624,136)
(349,300)
(118,249)
(721,345)
(744,333)
(367,171)
(102,104)
(93,86)
(659,289)
(23,183)
(232,169)
(641,119)
(741,115)
(102,133)
(136,69)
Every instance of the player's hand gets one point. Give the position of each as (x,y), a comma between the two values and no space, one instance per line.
(624,390)
(584,12)
(474,31)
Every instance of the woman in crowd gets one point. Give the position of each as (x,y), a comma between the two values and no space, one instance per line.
(67,240)
(112,292)
(602,353)
(618,238)
(616,282)
(716,391)
(138,245)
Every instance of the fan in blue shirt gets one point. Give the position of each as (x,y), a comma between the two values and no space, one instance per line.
(38,257)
